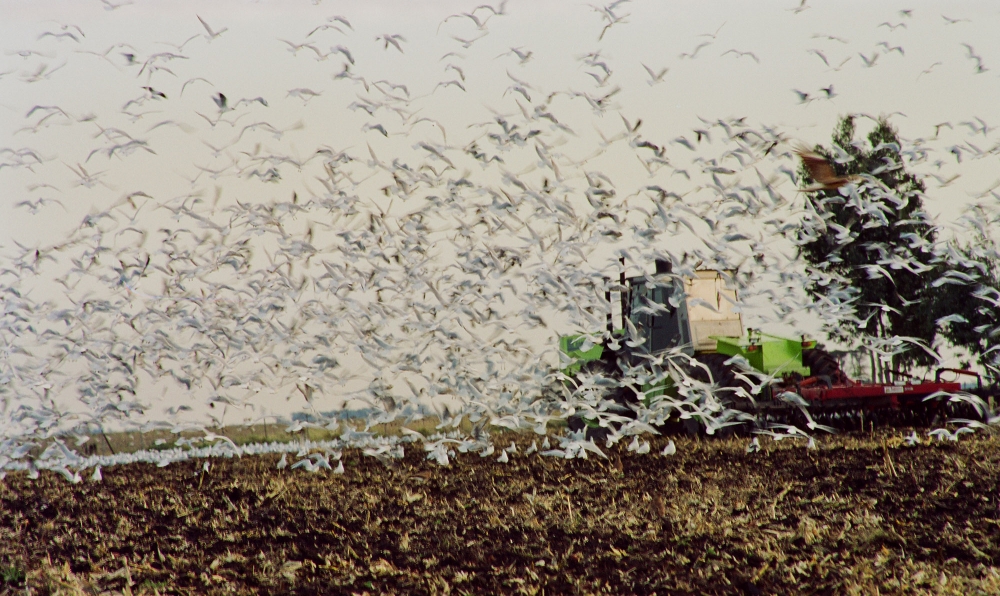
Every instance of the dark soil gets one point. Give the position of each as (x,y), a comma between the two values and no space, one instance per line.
(861,515)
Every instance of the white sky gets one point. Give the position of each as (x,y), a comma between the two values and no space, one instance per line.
(250,61)
(931,80)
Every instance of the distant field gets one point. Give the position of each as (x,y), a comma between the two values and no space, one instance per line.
(863,514)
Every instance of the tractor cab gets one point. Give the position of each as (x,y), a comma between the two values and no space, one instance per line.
(689,314)
(697,315)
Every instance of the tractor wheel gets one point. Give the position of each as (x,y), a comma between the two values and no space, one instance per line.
(824,366)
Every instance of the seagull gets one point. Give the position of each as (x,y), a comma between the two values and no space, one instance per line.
(521,55)
(694,53)
(830,37)
(972,55)
(869,62)
(304,94)
(655,77)
(391,39)
(754,446)
(194,80)
(322,27)
(480,24)
(34,206)
(801,7)
(740,54)
(59,36)
(341,20)
(295,47)
(447,83)
(109,6)
(943,433)
(344,51)
(670,449)
(211,33)
(467,43)
(820,55)
(155,94)
(888,48)
(73,477)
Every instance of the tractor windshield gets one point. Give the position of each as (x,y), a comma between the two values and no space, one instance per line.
(662,325)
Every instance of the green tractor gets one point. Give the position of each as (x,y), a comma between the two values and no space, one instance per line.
(660,313)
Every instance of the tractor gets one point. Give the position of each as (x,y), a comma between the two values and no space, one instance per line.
(698,317)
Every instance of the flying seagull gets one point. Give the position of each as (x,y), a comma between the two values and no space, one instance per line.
(212,34)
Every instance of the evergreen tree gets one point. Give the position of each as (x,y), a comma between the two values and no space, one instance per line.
(877,239)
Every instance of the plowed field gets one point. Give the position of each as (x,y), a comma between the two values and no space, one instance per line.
(861,514)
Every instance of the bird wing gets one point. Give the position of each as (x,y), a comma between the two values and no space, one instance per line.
(819,168)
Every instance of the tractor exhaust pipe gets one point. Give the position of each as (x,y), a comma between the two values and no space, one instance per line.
(624,294)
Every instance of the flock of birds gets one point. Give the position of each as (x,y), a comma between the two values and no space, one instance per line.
(423,272)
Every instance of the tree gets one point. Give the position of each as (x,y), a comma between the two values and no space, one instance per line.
(967,299)
(875,236)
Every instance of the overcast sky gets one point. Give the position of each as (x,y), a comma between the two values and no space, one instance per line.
(99,100)
(932,77)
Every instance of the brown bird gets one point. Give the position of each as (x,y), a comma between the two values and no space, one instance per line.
(821,171)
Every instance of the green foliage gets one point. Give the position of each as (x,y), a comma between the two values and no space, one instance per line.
(877,240)
(12,575)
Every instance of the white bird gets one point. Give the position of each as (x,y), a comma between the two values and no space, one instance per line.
(305,463)
(754,446)
(340,467)
(503,457)
(96,476)
(640,447)
(304,94)
(211,33)
(73,477)
(670,449)
(655,77)
(943,433)
(869,62)
(952,318)
(391,39)
(283,461)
